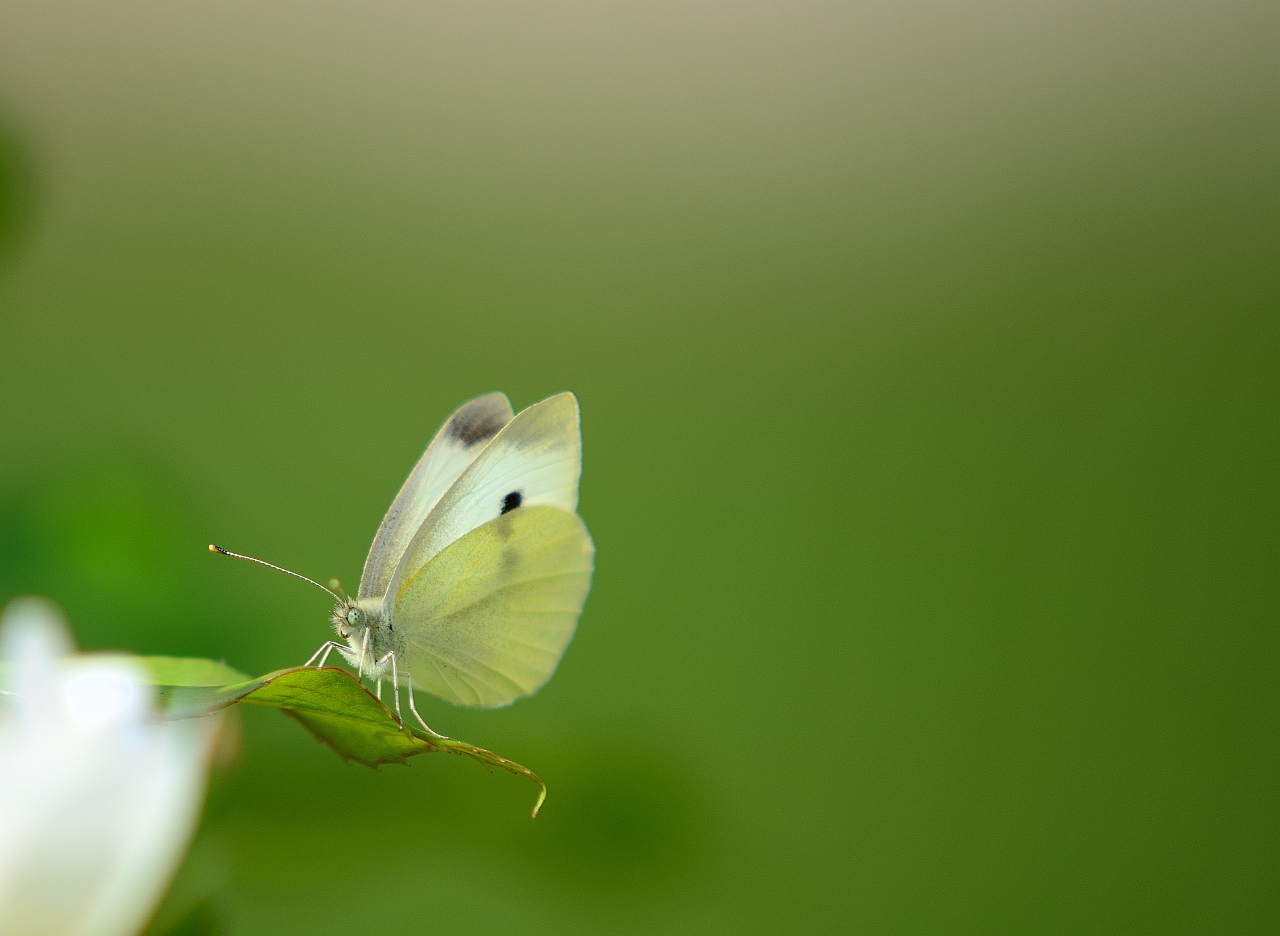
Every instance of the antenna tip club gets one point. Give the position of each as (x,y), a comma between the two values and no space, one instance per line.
(213,548)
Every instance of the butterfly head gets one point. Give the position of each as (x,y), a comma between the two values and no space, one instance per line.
(349,620)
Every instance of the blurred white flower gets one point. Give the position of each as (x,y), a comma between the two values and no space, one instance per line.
(98,799)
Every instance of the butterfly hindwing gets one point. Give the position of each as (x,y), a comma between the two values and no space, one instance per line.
(487,619)
(459,442)
(536,459)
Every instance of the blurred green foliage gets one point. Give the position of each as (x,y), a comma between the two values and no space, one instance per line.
(929,400)
(106,538)
(17,191)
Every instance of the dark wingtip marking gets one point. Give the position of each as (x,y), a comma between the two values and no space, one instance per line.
(511,502)
(475,424)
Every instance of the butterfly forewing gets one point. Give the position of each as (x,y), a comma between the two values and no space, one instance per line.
(458,443)
(489,616)
(535,460)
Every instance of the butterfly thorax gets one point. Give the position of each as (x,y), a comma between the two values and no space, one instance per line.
(366,627)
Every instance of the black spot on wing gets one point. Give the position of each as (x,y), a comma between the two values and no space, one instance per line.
(471,425)
(511,502)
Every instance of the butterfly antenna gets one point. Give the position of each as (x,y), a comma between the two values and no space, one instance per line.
(226,552)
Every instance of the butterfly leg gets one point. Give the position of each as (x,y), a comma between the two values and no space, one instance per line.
(326,648)
(395,682)
(364,650)
(413,708)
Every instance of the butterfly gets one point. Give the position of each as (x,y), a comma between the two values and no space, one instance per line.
(476,578)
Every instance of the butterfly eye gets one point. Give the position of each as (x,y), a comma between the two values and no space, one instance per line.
(355,617)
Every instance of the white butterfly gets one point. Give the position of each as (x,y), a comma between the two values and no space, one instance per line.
(477,575)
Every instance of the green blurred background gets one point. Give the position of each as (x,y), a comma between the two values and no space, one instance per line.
(927,356)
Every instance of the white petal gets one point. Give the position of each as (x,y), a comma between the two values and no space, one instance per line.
(98,801)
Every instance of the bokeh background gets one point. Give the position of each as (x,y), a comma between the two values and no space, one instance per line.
(927,355)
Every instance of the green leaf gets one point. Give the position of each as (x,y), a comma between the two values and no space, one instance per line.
(189,671)
(168,671)
(331,703)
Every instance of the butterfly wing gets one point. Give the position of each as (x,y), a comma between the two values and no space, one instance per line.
(460,440)
(536,459)
(488,618)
